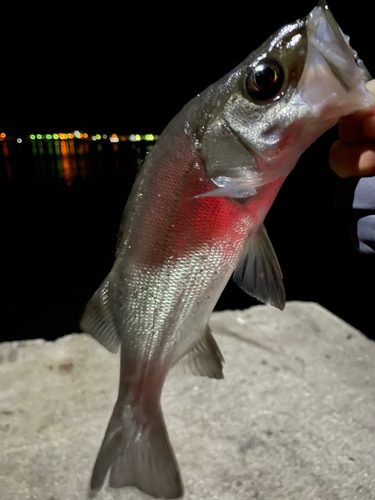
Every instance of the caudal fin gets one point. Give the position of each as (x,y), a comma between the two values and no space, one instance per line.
(136,451)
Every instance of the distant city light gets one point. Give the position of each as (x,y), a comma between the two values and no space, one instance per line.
(76,134)
(135,137)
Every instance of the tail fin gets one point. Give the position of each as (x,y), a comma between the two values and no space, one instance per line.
(136,451)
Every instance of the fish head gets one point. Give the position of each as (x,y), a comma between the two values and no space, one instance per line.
(278,101)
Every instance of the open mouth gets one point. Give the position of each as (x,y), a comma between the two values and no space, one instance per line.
(333,80)
(327,38)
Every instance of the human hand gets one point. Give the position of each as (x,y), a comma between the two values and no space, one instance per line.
(353,155)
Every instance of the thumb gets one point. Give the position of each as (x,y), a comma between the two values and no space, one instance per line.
(371,86)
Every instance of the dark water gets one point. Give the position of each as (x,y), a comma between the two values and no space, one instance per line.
(61,205)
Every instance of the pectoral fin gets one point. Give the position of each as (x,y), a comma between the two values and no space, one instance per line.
(204,359)
(233,187)
(258,271)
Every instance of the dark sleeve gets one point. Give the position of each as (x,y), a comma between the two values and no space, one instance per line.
(356,197)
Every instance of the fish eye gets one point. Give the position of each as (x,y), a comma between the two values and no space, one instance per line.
(265,80)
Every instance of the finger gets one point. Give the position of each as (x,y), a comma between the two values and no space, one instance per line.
(371,86)
(348,160)
(358,127)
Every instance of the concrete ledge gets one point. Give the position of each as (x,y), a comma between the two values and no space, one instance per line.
(293,419)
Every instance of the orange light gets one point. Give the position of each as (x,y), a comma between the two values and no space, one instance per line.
(64,149)
(2,135)
(5,150)
(114,136)
(70,136)
(85,135)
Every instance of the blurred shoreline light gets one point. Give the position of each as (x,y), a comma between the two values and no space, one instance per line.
(76,134)
(135,137)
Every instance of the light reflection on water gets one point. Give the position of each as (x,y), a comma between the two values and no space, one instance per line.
(61,203)
(37,163)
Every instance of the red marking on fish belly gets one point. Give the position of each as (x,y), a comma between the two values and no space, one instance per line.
(217,219)
(172,222)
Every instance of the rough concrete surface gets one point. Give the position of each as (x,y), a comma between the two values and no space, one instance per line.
(294,418)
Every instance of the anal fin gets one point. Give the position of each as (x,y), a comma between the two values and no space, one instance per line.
(204,359)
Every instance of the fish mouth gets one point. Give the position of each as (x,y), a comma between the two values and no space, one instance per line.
(333,79)
(325,30)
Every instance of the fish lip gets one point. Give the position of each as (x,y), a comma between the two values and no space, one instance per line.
(336,71)
(322,4)
(333,80)
(341,39)
(344,45)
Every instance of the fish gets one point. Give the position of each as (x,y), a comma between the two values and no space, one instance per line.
(195,216)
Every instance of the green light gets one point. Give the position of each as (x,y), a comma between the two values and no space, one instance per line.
(32,137)
(138,137)
(149,137)
(39,136)
(48,136)
(98,137)
(55,136)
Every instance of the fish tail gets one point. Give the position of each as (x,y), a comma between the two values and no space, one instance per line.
(136,451)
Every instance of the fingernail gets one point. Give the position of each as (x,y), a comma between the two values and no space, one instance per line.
(366,162)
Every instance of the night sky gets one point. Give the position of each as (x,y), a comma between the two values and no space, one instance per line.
(132,66)
(129,68)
